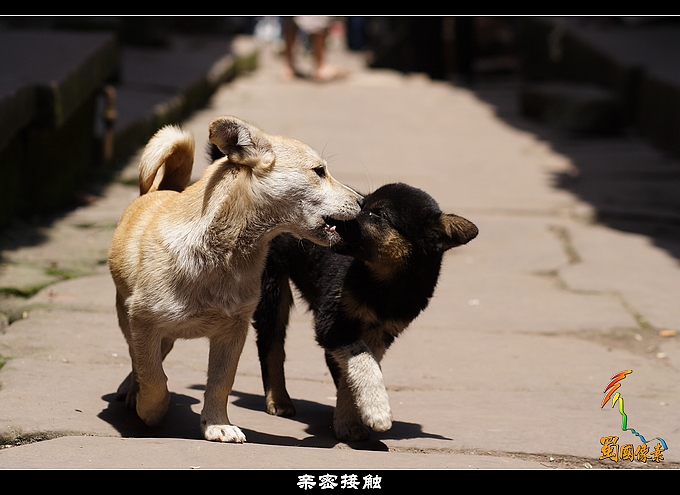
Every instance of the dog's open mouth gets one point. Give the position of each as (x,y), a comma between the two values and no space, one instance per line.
(330,229)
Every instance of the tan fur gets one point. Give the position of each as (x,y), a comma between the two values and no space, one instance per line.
(392,252)
(187,262)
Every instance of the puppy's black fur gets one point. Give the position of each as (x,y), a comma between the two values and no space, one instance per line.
(363,293)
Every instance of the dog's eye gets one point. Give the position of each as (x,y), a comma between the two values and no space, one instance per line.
(320,171)
(374,214)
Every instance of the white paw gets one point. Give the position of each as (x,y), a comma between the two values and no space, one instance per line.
(224,433)
(378,420)
(374,409)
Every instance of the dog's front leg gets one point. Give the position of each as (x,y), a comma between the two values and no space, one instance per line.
(225,351)
(360,386)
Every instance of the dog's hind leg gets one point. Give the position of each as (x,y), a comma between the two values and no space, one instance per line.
(361,394)
(271,321)
(130,382)
(152,397)
(225,351)
(128,388)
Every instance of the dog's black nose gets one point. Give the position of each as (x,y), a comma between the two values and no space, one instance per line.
(361,201)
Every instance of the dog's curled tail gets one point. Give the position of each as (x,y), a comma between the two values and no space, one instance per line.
(172,150)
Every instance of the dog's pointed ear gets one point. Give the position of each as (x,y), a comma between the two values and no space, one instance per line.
(456,231)
(241,142)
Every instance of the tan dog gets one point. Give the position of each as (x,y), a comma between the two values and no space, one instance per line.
(187,263)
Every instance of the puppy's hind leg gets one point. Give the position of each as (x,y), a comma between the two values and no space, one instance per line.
(271,321)
(128,388)
(152,398)
(130,382)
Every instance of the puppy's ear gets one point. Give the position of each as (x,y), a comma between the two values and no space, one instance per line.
(241,142)
(456,231)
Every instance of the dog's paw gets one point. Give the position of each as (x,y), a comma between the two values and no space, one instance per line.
(377,415)
(224,433)
(374,410)
(349,431)
(378,422)
(278,402)
(150,410)
(281,408)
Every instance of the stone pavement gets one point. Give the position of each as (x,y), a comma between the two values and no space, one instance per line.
(505,369)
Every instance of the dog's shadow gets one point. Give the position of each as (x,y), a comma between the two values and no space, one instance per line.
(182,422)
(318,419)
(179,422)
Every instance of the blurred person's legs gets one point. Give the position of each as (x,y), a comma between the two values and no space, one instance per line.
(289,36)
(316,27)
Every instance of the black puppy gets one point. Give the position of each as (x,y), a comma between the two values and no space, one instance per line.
(363,294)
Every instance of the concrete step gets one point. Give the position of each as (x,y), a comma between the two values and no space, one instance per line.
(572,107)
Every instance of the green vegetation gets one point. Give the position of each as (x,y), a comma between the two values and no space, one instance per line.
(14,439)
